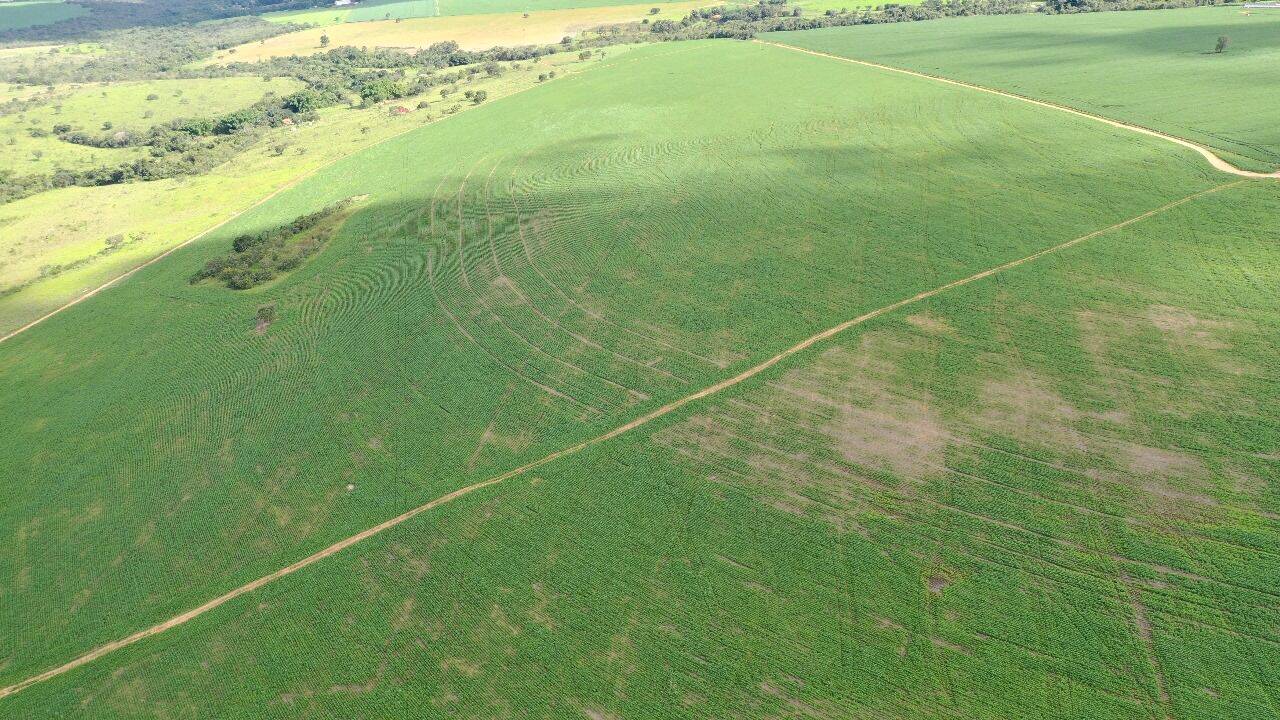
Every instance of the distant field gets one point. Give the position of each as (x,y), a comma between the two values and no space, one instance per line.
(817,7)
(473,32)
(1037,495)
(30,13)
(69,227)
(126,107)
(1154,68)
(403,9)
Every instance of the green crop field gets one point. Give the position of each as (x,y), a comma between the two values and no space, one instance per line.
(1049,492)
(18,14)
(1156,69)
(403,9)
(126,107)
(787,551)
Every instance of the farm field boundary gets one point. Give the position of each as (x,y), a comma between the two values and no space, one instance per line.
(1217,162)
(573,449)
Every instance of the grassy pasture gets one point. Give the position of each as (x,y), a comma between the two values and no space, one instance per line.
(522,277)
(69,227)
(1153,68)
(30,13)
(126,106)
(404,9)
(472,32)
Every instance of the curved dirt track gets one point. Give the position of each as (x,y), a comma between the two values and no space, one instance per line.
(1217,162)
(615,432)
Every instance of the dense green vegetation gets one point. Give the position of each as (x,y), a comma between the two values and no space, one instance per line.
(30,13)
(1043,482)
(262,256)
(547,266)
(1154,68)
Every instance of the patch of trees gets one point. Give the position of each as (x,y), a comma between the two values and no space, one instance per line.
(260,257)
(745,21)
(1063,7)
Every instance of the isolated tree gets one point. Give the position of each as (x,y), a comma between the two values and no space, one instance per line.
(380,90)
(654,11)
(303,101)
(1222,44)
(324,40)
(478,97)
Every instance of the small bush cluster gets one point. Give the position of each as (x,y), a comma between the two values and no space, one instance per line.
(259,257)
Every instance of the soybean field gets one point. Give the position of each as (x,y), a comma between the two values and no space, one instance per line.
(716,379)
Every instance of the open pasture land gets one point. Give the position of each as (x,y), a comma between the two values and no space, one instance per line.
(403,9)
(471,32)
(545,268)
(103,109)
(1156,68)
(19,14)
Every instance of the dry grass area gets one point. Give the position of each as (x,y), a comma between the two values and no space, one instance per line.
(472,32)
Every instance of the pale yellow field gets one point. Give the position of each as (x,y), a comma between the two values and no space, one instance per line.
(471,32)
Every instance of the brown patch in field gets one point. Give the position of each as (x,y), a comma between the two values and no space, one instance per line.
(514,442)
(594,713)
(1181,327)
(690,700)
(944,643)
(796,707)
(354,689)
(930,323)
(404,614)
(459,665)
(937,584)
(822,435)
(1179,497)
(874,421)
(1145,460)
(499,617)
(1022,406)
(1143,624)
(538,613)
